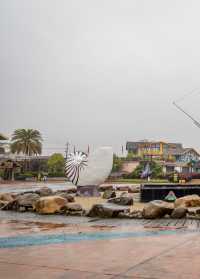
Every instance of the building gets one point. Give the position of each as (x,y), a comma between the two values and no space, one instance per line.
(179,167)
(154,149)
(187,155)
(196,167)
(163,151)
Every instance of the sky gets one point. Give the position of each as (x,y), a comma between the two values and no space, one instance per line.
(100,72)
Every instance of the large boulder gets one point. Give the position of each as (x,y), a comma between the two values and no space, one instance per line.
(157,209)
(124,199)
(6,197)
(44,192)
(12,205)
(188,201)
(108,194)
(74,207)
(27,200)
(107,210)
(179,212)
(50,205)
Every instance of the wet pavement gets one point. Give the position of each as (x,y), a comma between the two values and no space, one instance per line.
(61,247)
(78,247)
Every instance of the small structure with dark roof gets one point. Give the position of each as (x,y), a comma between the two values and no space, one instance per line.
(4,145)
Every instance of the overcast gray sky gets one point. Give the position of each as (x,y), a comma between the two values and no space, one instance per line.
(100,72)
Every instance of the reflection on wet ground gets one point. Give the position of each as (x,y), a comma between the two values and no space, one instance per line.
(78,247)
(56,229)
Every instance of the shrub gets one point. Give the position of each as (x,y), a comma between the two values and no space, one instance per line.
(156,170)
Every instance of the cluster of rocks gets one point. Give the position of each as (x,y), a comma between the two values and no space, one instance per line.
(187,206)
(43,201)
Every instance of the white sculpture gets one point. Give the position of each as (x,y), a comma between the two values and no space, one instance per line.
(83,170)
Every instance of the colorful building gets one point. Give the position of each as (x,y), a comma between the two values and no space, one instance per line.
(153,149)
(163,151)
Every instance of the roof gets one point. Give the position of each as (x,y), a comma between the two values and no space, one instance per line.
(186,150)
(2,137)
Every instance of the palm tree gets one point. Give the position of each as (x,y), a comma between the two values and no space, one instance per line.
(26,141)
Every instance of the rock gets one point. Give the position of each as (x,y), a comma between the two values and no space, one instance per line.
(124,215)
(122,187)
(6,197)
(3,203)
(12,205)
(27,200)
(71,189)
(124,199)
(22,201)
(193,211)
(66,196)
(50,205)
(170,197)
(179,212)
(157,209)
(104,187)
(108,194)
(88,191)
(188,201)
(106,210)
(74,207)
(22,209)
(136,214)
(44,192)
(133,189)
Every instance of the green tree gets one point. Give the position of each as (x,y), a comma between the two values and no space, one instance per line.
(26,141)
(56,164)
(117,163)
(130,155)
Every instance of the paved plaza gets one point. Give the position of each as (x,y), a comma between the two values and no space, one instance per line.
(74,247)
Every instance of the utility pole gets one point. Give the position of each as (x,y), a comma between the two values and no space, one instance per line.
(67,149)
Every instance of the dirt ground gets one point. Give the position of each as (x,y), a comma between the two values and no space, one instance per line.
(88,202)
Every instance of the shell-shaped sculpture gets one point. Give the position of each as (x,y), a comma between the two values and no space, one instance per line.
(83,170)
(74,164)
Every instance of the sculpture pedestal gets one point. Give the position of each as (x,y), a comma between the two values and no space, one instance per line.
(88,191)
